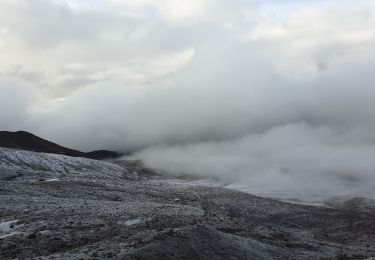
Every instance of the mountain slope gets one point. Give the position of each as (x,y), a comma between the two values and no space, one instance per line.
(61,207)
(27,141)
(28,165)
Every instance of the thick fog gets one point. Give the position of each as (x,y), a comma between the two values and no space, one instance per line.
(278,96)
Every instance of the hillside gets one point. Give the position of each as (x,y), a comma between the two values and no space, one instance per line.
(60,207)
(27,141)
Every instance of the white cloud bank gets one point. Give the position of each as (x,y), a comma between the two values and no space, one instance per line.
(281,98)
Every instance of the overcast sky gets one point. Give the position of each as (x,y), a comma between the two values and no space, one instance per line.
(279,90)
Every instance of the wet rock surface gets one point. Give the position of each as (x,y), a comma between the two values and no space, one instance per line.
(121,215)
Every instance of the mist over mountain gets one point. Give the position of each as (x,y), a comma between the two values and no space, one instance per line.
(55,206)
(276,96)
(187,129)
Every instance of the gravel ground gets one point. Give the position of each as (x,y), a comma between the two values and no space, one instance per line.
(69,215)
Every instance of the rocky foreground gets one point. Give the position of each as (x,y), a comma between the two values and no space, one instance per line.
(60,207)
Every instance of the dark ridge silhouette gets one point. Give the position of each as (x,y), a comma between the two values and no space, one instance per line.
(27,141)
(103,154)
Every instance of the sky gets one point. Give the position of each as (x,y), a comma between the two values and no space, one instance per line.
(278,95)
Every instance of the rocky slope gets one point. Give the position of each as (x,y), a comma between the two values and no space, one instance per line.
(26,165)
(59,207)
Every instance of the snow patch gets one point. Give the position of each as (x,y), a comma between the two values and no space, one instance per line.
(7,229)
(6,226)
(52,180)
(10,234)
(131,222)
(192,183)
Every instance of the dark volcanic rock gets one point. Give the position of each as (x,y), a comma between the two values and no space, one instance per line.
(204,242)
(27,141)
(102,154)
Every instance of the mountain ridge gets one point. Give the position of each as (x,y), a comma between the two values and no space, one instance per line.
(28,141)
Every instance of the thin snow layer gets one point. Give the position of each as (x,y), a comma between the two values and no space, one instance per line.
(7,229)
(6,226)
(190,183)
(101,216)
(131,222)
(10,234)
(303,199)
(52,180)
(13,160)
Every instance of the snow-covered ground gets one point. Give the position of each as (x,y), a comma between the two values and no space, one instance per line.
(53,167)
(59,207)
(327,198)
(29,165)
(8,229)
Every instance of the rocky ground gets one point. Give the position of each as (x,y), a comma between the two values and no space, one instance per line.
(56,207)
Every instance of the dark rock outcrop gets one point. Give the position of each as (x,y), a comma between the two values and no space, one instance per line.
(27,141)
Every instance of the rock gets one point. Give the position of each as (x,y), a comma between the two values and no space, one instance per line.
(31,236)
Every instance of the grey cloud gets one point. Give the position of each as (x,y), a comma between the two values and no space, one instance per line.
(292,161)
(16,100)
